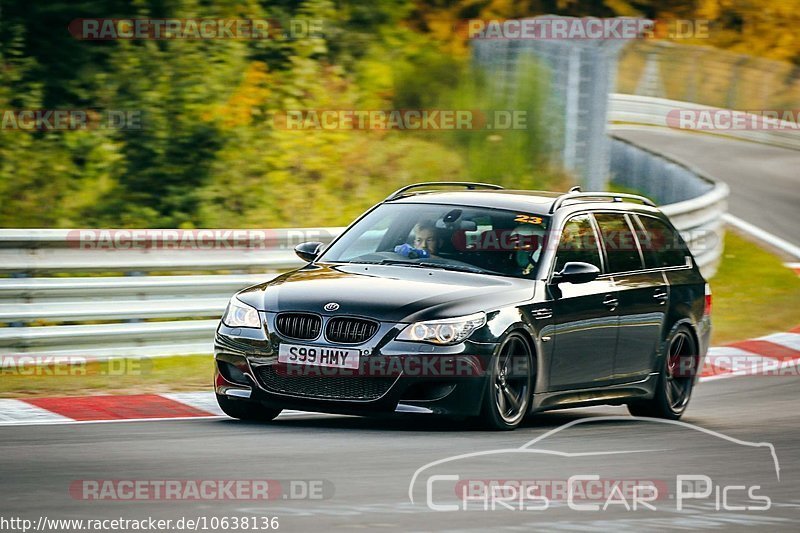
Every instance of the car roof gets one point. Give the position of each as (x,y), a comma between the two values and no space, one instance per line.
(536,202)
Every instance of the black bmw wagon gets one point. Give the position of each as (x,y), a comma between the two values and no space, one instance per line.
(472,301)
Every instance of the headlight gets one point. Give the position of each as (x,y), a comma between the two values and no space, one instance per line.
(240,315)
(449,331)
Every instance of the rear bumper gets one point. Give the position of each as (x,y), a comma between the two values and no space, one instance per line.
(703,331)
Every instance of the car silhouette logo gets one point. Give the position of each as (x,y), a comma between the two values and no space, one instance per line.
(333,306)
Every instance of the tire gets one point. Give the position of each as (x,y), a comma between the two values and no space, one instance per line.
(245,410)
(509,385)
(675,380)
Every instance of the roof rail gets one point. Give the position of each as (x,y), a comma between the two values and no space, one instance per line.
(466,184)
(617,197)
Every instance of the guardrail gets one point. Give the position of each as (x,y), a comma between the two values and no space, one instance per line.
(651,111)
(27,252)
(142,315)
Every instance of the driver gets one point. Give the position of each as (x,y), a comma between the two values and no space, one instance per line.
(426,237)
(426,242)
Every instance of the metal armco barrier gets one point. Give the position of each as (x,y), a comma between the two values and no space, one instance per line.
(651,111)
(49,292)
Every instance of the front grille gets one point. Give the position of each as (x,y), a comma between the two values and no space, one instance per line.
(324,386)
(299,325)
(349,330)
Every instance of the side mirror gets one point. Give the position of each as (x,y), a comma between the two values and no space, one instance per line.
(308,251)
(576,272)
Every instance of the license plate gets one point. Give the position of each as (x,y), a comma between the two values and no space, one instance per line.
(318,356)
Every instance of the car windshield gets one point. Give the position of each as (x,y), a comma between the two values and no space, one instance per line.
(448,237)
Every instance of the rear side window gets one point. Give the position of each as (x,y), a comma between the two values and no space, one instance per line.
(578,242)
(662,246)
(619,242)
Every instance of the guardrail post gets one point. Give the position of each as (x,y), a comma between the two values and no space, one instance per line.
(18,275)
(134,273)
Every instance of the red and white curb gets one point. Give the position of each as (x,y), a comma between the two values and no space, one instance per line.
(95,409)
(772,355)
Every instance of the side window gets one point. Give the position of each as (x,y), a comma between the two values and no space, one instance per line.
(578,242)
(662,246)
(620,245)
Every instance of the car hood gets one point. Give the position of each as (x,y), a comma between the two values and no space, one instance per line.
(387,293)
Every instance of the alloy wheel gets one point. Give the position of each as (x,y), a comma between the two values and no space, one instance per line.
(512,380)
(679,376)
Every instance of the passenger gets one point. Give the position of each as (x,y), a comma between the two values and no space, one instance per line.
(528,242)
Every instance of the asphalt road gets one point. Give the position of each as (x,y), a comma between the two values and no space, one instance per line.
(366,466)
(764,180)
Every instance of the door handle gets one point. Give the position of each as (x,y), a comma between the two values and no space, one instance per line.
(661,296)
(611,302)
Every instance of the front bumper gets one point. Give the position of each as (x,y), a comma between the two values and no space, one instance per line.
(396,376)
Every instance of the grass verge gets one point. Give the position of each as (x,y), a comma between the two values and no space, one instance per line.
(119,376)
(754,293)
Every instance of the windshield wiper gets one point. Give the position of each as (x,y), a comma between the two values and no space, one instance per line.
(460,268)
(398,262)
(440,266)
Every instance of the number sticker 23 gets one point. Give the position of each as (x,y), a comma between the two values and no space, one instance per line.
(528,219)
